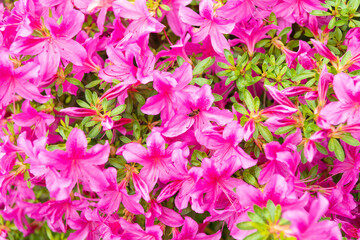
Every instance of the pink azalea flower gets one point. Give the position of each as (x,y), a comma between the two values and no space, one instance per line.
(165,215)
(283,158)
(30,117)
(277,190)
(210,24)
(347,108)
(132,231)
(17,81)
(143,21)
(76,163)
(249,33)
(225,144)
(196,111)
(190,230)
(185,181)
(215,189)
(93,6)
(306,226)
(115,194)
(56,43)
(87,227)
(157,160)
(178,27)
(248,8)
(171,91)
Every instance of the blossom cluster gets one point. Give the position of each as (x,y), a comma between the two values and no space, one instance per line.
(180,119)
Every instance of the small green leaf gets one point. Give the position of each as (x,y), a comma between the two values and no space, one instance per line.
(240,108)
(204,64)
(229,57)
(201,81)
(75,82)
(95,131)
(245,226)
(109,134)
(321,148)
(249,101)
(320,13)
(88,96)
(284,130)
(255,236)
(93,83)
(339,151)
(83,104)
(350,140)
(264,131)
(59,21)
(68,69)
(217,97)
(165,7)
(118,110)
(332,22)
(284,31)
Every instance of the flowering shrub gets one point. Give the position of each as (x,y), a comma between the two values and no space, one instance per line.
(179,119)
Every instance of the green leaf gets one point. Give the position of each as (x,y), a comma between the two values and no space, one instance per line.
(321,148)
(277,213)
(109,134)
(88,96)
(68,69)
(201,81)
(229,57)
(303,76)
(95,131)
(217,97)
(284,130)
(350,140)
(93,83)
(339,151)
(204,64)
(165,7)
(124,139)
(264,131)
(332,22)
(59,21)
(320,13)
(83,104)
(331,144)
(118,110)
(75,82)
(256,103)
(255,236)
(345,58)
(60,90)
(223,65)
(284,31)
(245,226)
(240,108)
(249,101)
(139,98)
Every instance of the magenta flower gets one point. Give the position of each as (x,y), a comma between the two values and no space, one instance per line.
(143,21)
(190,230)
(196,111)
(185,181)
(79,164)
(210,24)
(30,117)
(249,33)
(225,144)
(306,226)
(347,108)
(57,41)
(172,90)
(17,81)
(157,160)
(116,194)
(215,189)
